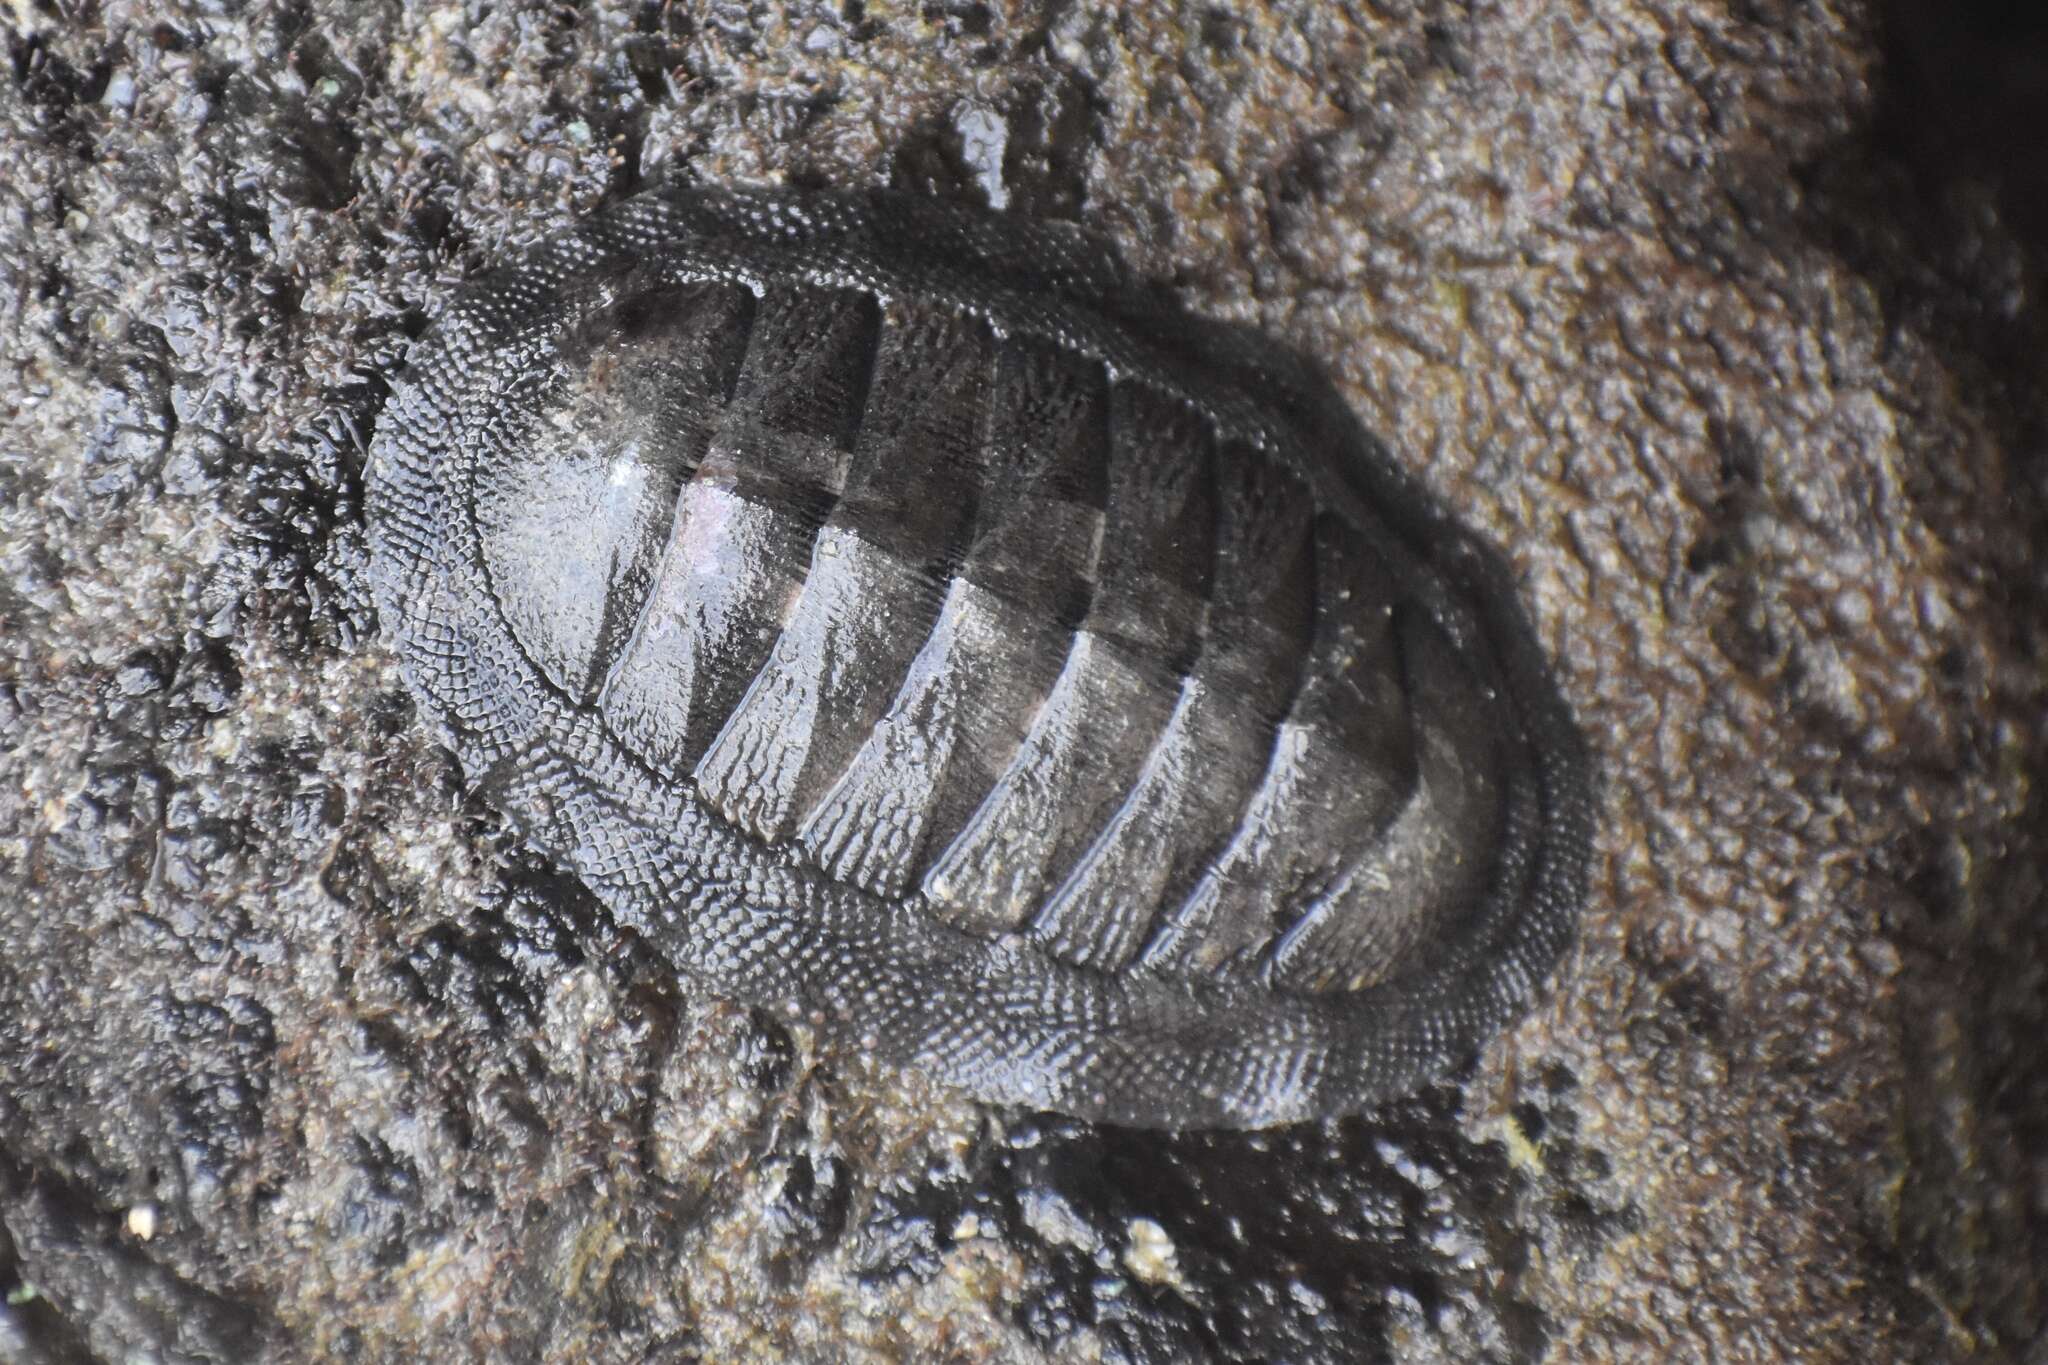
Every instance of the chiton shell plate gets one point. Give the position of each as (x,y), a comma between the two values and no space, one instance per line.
(893,612)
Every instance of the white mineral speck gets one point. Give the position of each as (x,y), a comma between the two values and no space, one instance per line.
(1150,1256)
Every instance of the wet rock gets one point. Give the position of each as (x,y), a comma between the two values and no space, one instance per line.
(1724,324)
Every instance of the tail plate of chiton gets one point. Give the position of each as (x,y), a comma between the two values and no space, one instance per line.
(895,613)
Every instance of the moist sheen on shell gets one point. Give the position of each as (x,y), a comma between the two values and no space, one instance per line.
(892,612)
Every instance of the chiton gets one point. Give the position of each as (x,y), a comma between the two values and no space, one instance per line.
(896,613)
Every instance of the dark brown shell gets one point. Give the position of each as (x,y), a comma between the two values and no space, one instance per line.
(888,610)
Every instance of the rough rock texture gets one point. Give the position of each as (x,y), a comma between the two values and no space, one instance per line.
(1711,318)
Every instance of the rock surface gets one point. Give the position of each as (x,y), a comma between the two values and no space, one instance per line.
(1706,316)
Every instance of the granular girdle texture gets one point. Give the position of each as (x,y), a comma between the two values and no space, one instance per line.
(890,611)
